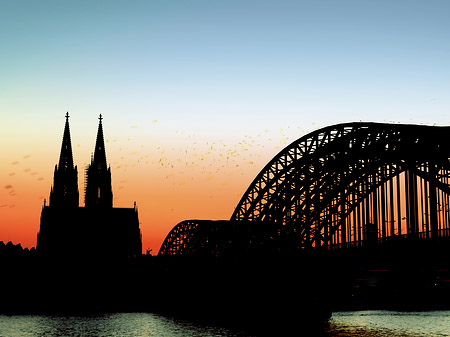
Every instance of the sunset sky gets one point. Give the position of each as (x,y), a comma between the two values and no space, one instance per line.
(197,96)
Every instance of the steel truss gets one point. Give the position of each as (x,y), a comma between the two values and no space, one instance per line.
(219,238)
(345,183)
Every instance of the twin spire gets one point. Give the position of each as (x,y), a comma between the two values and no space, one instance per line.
(98,191)
(99,152)
(65,158)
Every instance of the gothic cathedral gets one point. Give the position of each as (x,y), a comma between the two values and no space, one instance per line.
(96,230)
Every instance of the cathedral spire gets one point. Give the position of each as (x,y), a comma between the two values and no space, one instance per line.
(98,176)
(64,192)
(100,153)
(65,157)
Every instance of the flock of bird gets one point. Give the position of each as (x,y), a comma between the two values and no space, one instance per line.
(193,160)
(198,159)
(17,168)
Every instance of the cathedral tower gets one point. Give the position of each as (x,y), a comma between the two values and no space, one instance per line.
(98,191)
(64,192)
(70,232)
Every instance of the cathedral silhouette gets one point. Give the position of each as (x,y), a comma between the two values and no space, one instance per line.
(97,230)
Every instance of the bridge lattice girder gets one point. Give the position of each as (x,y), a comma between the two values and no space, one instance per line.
(311,186)
(308,191)
(217,237)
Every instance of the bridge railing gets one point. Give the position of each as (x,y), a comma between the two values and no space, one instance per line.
(444,232)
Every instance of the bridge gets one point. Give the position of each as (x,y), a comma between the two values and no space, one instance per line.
(346,185)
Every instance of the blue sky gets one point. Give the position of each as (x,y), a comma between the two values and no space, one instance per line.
(204,62)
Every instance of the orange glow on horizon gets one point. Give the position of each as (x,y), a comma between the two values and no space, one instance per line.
(186,177)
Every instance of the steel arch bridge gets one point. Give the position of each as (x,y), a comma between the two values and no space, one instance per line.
(343,185)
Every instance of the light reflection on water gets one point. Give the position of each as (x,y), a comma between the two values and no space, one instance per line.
(383,323)
(122,324)
(377,323)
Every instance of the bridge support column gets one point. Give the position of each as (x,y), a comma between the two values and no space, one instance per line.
(383,212)
(399,206)
(427,209)
(407,203)
(433,201)
(391,205)
(374,204)
(317,209)
(343,221)
(413,204)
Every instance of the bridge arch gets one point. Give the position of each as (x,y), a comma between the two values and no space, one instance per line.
(189,237)
(325,188)
(219,238)
(341,185)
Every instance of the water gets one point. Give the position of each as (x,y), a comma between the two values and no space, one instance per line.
(383,323)
(121,324)
(349,324)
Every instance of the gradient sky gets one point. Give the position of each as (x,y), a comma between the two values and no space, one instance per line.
(197,96)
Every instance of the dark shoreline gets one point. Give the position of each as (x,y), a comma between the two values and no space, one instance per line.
(245,294)
(248,292)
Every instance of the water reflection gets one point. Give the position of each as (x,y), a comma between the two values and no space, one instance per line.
(124,324)
(383,323)
(343,324)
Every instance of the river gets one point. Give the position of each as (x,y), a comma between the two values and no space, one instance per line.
(352,324)
(382,323)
